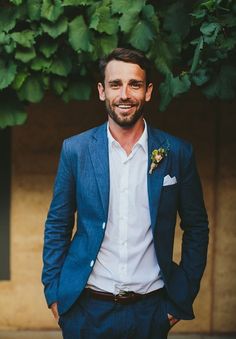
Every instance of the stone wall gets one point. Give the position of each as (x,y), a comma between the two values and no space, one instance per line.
(209,125)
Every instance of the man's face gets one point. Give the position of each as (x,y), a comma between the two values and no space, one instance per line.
(124,92)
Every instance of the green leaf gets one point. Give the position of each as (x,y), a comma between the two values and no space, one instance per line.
(79,35)
(10,47)
(177,19)
(122,6)
(61,66)
(4,38)
(148,13)
(209,28)
(181,84)
(48,47)
(162,56)
(210,4)
(162,64)
(141,36)
(103,45)
(210,31)
(7,73)
(40,64)
(196,56)
(77,2)
(31,90)
(51,9)
(45,81)
(77,91)
(12,111)
(7,19)
(57,28)
(165,52)
(172,87)
(175,47)
(59,85)
(19,80)
(102,21)
(165,91)
(223,84)
(24,38)
(25,55)
(34,9)
(16,2)
(108,43)
(201,76)
(199,13)
(127,21)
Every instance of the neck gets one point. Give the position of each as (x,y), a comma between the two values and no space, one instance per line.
(127,137)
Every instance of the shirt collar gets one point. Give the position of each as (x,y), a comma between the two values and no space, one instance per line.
(142,140)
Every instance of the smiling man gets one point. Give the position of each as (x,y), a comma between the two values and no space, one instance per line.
(124,91)
(127,182)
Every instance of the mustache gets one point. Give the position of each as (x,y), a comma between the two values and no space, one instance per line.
(127,102)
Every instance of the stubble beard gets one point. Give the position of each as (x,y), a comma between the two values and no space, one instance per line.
(125,121)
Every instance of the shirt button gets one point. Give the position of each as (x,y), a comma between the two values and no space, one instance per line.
(91,263)
(103,225)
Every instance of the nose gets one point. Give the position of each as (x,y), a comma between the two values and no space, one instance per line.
(124,94)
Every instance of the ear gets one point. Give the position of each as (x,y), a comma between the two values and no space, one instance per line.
(101,92)
(149,92)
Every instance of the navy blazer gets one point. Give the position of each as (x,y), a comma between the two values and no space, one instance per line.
(82,186)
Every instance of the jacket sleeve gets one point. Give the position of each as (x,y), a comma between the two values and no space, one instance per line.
(194,223)
(58,226)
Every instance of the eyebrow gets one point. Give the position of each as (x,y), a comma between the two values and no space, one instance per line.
(136,81)
(114,81)
(130,81)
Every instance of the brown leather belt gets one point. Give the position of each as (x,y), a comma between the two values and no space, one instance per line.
(123,297)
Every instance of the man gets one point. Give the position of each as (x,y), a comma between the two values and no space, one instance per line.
(115,278)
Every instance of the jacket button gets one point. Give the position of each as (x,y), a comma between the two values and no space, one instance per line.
(91,263)
(103,225)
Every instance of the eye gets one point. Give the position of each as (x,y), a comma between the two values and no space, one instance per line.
(136,85)
(114,85)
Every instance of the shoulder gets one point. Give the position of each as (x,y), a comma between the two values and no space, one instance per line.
(81,140)
(176,145)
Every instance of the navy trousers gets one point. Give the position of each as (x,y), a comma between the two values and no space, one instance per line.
(90,318)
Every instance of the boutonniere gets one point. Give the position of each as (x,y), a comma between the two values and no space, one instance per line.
(156,157)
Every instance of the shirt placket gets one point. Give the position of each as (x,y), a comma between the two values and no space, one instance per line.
(123,218)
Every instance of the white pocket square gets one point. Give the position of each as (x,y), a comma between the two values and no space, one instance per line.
(168,180)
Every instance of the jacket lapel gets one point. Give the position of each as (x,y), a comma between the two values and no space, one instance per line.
(155,180)
(98,149)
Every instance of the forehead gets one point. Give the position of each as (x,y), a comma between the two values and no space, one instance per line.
(124,71)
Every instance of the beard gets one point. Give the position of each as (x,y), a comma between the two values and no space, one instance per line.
(124,120)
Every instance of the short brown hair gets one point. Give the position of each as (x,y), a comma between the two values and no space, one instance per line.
(127,55)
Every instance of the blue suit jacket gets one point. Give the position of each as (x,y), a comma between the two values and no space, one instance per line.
(82,186)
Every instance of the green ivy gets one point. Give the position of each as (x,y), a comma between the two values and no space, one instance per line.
(56,44)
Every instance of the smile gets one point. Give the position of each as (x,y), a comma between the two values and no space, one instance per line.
(125,106)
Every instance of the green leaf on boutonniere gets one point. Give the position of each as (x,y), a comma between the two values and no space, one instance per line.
(156,157)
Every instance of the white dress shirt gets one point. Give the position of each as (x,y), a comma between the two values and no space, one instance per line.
(127,260)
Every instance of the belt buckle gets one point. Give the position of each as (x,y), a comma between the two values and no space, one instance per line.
(121,294)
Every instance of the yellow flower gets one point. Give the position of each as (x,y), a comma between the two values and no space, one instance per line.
(156,157)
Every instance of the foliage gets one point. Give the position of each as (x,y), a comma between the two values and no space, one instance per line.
(55,45)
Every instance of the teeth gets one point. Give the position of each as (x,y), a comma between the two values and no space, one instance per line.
(124,106)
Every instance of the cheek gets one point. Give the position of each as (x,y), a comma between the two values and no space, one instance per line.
(141,99)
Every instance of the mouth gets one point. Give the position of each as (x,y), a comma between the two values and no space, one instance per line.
(125,106)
